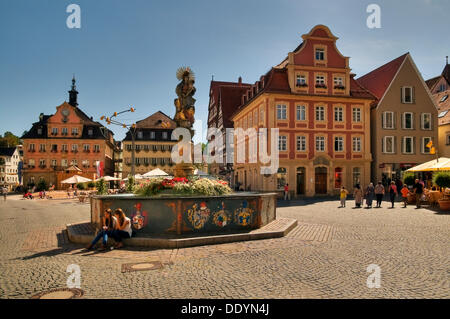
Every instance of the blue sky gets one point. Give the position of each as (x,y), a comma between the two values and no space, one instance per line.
(127,52)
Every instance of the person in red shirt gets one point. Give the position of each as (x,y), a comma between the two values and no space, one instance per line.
(405,192)
(286,192)
(392,192)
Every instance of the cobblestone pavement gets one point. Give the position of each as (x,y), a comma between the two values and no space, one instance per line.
(326,256)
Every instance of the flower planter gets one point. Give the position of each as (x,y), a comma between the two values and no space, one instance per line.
(444,204)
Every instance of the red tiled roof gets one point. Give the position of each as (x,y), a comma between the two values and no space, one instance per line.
(432,82)
(356,90)
(157,120)
(230,99)
(379,79)
(443,116)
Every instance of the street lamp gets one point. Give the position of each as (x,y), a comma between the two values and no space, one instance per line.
(132,127)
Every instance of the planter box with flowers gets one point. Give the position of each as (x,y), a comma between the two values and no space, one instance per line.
(194,205)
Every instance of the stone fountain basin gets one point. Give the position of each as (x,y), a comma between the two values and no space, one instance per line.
(181,215)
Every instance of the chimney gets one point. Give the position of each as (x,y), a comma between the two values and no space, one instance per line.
(240,80)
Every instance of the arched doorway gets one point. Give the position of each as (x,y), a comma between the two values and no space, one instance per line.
(301,179)
(321,180)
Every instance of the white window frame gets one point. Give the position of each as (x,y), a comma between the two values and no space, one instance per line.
(411,138)
(404,95)
(340,144)
(54,130)
(338,81)
(300,80)
(385,120)
(422,122)
(321,52)
(281,112)
(320,79)
(301,110)
(282,143)
(74,130)
(339,112)
(404,121)
(425,144)
(320,110)
(356,144)
(356,115)
(301,143)
(320,144)
(385,144)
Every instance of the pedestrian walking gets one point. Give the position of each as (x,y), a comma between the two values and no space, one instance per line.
(370,194)
(343,196)
(379,193)
(405,191)
(392,192)
(286,192)
(358,194)
(418,191)
(4,193)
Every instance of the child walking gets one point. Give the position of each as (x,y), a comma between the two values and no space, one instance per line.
(344,194)
(405,192)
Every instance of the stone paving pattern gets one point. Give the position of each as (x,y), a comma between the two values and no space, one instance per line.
(325,256)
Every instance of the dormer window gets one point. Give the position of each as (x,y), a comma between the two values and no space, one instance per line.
(152,135)
(320,54)
(164,135)
(445,97)
(140,135)
(64,131)
(90,132)
(39,131)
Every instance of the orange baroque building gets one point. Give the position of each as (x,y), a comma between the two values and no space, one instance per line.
(323,117)
(67,143)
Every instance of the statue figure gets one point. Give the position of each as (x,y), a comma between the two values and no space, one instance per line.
(184,104)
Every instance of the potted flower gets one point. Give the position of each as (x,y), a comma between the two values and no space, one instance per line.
(442,179)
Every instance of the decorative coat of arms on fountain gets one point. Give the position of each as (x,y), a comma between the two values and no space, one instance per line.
(139,219)
(221,218)
(198,215)
(243,215)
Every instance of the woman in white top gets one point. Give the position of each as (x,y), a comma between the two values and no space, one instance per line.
(122,229)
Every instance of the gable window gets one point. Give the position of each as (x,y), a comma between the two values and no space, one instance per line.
(338,144)
(320,113)
(281,112)
(356,145)
(425,142)
(408,145)
(356,114)
(407,94)
(338,114)
(442,87)
(54,130)
(388,144)
(320,143)
(301,113)
(300,80)
(320,54)
(388,120)
(408,121)
(426,121)
(282,143)
(301,143)
(74,130)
